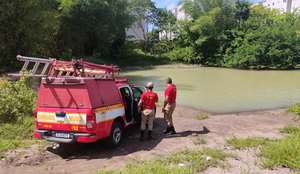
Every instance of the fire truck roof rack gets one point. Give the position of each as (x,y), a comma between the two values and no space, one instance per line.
(41,67)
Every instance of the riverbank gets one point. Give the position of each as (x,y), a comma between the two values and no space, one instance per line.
(214,130)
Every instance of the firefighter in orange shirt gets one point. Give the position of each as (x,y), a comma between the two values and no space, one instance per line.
(148,100)
(169,106)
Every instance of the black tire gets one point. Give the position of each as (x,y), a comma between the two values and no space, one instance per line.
(116,135)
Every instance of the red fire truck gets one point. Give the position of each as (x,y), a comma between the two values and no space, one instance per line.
(81,102)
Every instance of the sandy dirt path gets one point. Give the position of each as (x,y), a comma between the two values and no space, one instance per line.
(90,158)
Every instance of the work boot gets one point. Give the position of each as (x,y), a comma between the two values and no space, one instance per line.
(149,135)
(142,135)
(172,131)
(167,130)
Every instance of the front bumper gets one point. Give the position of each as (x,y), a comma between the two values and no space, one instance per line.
(75,137)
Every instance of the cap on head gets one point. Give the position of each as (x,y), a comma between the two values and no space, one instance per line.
(150,85)
(169,80)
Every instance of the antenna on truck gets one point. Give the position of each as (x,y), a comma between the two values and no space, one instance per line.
(51,67)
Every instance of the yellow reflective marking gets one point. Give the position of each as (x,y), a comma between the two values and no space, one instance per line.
(75,118)
(107,108)
(74,128)
(46,117)
(47,126)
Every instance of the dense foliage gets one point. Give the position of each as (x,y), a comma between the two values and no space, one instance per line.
(17,100)
(92,27)
(27,27)
(222,33)
(235,35)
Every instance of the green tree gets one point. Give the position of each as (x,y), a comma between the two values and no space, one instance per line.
(93,27)
(270,41)
(242,12)
(27,27)
(209,31)
(196,8)
(163,19)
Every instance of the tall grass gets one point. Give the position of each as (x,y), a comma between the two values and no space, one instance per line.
(296,110)
(284,152)
(16,135)
(186,162)
(245,143)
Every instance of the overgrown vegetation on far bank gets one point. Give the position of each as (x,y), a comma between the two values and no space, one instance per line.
(220,33)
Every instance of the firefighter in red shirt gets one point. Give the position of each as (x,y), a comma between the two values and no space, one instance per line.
(148,100)
(169,106)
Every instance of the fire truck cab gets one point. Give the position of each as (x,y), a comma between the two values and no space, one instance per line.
(81,102)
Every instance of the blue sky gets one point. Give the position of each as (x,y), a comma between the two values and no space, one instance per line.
(170,4)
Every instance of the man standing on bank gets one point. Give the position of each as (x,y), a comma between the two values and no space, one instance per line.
(169,106)
(148,100)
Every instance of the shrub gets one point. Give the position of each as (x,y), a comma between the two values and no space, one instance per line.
(17,99)
(201,116)
(186,55)
(296,110)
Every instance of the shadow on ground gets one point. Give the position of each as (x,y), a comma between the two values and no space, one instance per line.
(129,145)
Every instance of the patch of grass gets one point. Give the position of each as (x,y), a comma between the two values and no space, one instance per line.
(186,162)
(16,135)
(199,141)
(290,129)
(201,116)
(296,110)
(283,152)
(249,142)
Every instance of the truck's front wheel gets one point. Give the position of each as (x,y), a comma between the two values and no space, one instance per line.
(116,135)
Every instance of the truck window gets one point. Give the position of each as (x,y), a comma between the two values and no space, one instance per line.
(137,93)
(127,99)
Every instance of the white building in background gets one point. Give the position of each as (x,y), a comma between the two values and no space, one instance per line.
(137,31)
(295,5)
(179,14)
(282,5)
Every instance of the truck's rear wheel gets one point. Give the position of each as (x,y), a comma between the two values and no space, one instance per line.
(116,135)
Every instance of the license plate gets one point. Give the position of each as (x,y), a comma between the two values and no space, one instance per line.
(62,135)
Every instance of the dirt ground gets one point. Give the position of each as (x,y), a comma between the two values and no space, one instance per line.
(90,158)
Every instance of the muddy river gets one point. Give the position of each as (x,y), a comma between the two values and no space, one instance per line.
(225,90)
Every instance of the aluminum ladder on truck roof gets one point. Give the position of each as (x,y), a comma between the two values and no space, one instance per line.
(53,68)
